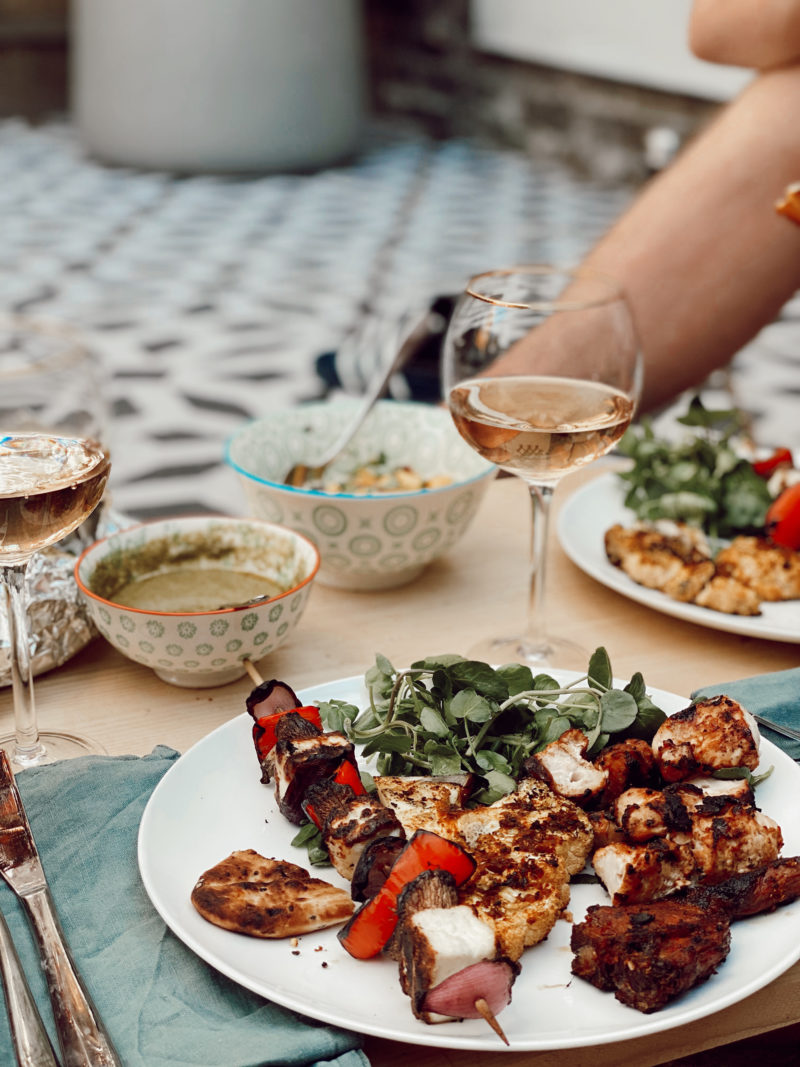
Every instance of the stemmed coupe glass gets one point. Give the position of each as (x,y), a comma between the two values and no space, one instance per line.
(53,472)
(542,372)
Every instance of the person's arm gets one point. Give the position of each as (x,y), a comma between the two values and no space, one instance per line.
(746,33)
(702,254)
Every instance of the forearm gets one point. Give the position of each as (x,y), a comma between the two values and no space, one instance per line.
(760,34)
(702,254)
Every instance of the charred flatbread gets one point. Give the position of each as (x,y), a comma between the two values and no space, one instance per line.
(250,894)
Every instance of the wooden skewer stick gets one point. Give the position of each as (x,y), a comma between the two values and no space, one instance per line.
(489,1016)
(250,668)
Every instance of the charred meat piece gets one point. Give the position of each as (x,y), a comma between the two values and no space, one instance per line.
(261,897)
(626,763)
(738,840)
(606,830)
(644,814)
(374,864)
(303,756)
(634,874)
(564,767)
(706,736)
(771,570)
(649,955)
(418,802)
(348,822)
(752,892)
(267,729)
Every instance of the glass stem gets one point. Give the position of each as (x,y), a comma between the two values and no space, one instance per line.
(28,746)
(536,631)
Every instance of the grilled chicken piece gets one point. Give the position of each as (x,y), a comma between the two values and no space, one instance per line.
(349,822)
(752,892)
(728,595)
(678,565)
(627,763)
(647,813)
(431,889)
(526,845)
(650,955)
(261,897)
(669,563)
(417,801)
(771,570)
(705,737)
(446,954)
(303,755)
(605,828)
(564,767)
(726,837)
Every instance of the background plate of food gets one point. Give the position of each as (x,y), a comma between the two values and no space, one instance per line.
(595,526)
(212,803)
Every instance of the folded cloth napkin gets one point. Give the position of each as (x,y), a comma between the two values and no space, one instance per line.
(775,695)
(161,1004)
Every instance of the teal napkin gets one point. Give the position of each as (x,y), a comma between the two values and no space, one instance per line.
(776,696)
(161,1004)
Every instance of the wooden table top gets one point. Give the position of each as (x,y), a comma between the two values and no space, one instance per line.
(479,589)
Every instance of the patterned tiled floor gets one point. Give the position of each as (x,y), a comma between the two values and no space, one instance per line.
(209,299)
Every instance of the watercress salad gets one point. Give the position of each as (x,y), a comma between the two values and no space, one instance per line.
(448,715)
(702,479)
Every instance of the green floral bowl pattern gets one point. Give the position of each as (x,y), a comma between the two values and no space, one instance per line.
(198,649)
(366,541)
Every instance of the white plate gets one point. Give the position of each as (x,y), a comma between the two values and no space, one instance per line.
(211,803)
(584,519)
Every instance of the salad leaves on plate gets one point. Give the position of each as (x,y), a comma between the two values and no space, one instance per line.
(449,715)
(703,479)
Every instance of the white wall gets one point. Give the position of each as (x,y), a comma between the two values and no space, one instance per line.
(637,41)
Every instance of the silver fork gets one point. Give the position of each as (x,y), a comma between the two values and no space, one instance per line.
(32,1044)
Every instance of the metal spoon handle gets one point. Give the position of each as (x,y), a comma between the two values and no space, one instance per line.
(32,1045)
(375,389)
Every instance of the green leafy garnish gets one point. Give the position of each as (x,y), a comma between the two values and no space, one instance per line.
(448,715)
(702,480)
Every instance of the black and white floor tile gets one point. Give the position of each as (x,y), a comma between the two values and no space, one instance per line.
(210,299)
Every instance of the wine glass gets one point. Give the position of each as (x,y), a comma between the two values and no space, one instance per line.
(53,472)
(542,372)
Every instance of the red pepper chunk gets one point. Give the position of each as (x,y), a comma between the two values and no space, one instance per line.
(347,774)
(264,728)
(367,933)
(781,457)
(783,518)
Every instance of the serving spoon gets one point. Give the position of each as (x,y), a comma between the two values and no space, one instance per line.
(299,474)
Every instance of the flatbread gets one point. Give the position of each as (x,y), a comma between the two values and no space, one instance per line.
(250,894)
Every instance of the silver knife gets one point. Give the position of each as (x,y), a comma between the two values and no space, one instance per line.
(787,731)
(82,1037)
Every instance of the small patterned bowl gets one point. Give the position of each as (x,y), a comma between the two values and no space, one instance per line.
(372,540)
(198,648)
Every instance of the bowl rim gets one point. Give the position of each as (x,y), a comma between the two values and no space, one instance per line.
(354,402)
(292,534)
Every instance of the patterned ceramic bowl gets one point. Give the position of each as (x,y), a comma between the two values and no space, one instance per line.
(195,564)
(368,539)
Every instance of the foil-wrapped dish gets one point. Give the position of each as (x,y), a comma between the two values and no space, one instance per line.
(58,624)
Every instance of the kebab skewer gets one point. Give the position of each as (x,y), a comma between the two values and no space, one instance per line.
(444,950)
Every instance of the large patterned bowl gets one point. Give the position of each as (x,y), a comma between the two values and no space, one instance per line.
(367,540)
(198,648)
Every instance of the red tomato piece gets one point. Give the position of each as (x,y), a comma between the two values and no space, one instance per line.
(781,457)
(783,518)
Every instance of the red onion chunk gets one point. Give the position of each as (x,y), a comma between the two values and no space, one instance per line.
(490,980)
